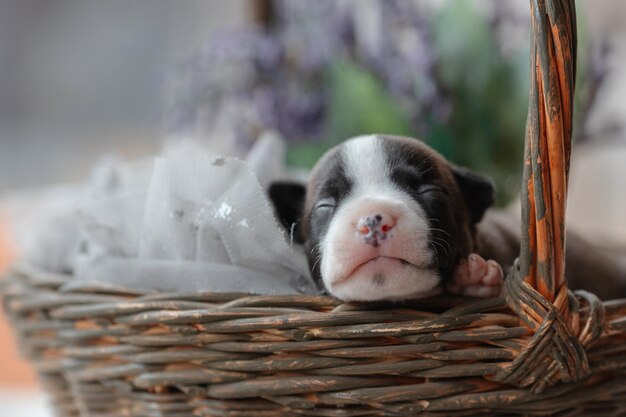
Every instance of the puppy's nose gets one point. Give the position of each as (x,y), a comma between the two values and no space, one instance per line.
(374,228)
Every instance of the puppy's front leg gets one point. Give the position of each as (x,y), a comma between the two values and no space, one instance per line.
(477,277)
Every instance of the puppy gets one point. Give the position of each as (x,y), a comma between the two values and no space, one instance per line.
(388,218)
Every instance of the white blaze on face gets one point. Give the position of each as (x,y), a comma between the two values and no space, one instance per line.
(401,265)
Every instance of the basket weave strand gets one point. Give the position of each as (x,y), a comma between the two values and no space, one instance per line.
(104,351)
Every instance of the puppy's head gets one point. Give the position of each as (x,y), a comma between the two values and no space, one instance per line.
(384,217)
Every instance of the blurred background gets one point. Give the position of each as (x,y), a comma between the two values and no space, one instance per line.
(81,79)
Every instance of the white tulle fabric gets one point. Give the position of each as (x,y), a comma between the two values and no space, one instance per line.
(186,221)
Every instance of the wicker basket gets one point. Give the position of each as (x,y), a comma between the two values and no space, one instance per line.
(539,350)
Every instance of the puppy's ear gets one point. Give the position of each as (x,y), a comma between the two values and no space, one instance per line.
(478,191)
(288,201)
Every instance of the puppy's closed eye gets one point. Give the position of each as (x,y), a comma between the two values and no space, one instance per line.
(431,188)
(328,203)
(321,213)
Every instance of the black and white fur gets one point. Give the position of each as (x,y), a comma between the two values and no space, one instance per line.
(402,181)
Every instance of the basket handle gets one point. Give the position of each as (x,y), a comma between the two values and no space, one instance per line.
(536,288)
(547,148)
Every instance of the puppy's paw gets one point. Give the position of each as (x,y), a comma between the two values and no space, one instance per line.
(477,277)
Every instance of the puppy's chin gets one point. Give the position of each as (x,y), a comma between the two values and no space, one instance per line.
(385,278)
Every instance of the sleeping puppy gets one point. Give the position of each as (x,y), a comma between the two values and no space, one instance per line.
(388,218)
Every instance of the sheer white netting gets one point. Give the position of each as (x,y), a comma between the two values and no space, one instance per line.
(185,221)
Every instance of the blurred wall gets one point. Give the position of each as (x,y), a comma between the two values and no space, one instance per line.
(80,78)
(597,199)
